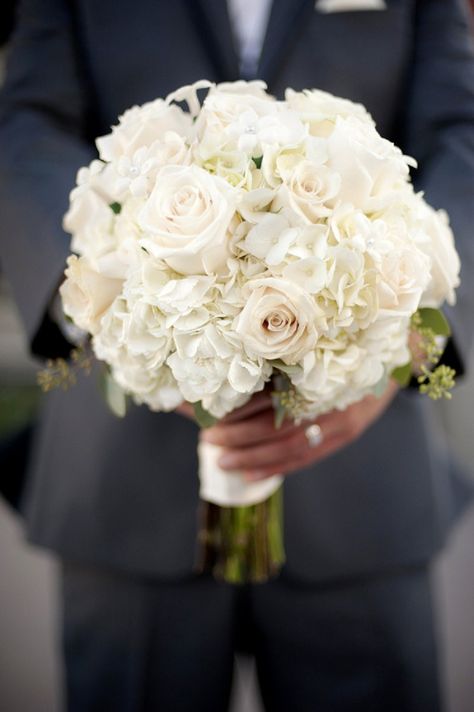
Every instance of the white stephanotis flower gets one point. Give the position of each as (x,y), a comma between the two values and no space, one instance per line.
(252,133)
(137,172)
(186,218)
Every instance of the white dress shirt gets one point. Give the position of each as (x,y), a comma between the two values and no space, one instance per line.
(249,20)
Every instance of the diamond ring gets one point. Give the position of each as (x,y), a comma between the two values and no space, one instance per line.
(314,435)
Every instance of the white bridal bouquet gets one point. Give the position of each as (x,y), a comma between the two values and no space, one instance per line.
(243,241)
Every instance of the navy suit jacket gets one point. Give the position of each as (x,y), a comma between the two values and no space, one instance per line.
(123,493)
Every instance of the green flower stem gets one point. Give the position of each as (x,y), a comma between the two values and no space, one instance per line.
(242,544)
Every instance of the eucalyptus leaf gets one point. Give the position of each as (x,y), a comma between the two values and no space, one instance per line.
(115,397)
(203,418)
(402,374)
(435,320)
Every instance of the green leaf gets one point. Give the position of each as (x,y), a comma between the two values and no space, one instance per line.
(434,319)
(203,418)
(115,208)
(115,397)
(402,374)
(258,161)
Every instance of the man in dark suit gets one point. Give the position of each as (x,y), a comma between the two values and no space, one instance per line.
(348,625)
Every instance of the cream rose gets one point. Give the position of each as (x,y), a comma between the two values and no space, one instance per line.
(141,126)
(186,218)
(278,320)
(310,189)
(372,168)
(403,273)
(87,294)
(436,240)
(319,109)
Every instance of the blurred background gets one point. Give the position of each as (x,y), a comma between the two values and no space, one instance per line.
(30,672)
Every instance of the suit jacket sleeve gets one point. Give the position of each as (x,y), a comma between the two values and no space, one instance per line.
(439,133)
(43,141)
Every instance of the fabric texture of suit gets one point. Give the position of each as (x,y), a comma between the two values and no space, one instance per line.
(124,493)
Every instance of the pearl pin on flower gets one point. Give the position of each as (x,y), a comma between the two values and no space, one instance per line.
(314,435)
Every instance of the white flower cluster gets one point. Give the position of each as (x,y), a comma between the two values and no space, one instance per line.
(218,242)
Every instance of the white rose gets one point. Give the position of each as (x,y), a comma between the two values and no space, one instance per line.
(226,102)
(371,168)
(436,240)
(90,218)
(86,294)
(319,109)
(186,219)
(278,320)
(141,126)
(310,189)
(403,274)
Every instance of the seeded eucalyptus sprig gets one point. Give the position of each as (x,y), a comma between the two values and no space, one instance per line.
(434,381)
(287,402)
(63,374)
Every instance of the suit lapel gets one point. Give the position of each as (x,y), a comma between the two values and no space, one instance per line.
(284,26)
(213,26)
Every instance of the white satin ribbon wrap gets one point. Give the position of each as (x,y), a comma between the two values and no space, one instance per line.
(226,488)
(349,5)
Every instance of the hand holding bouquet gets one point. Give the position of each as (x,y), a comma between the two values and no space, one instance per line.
(246,243)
